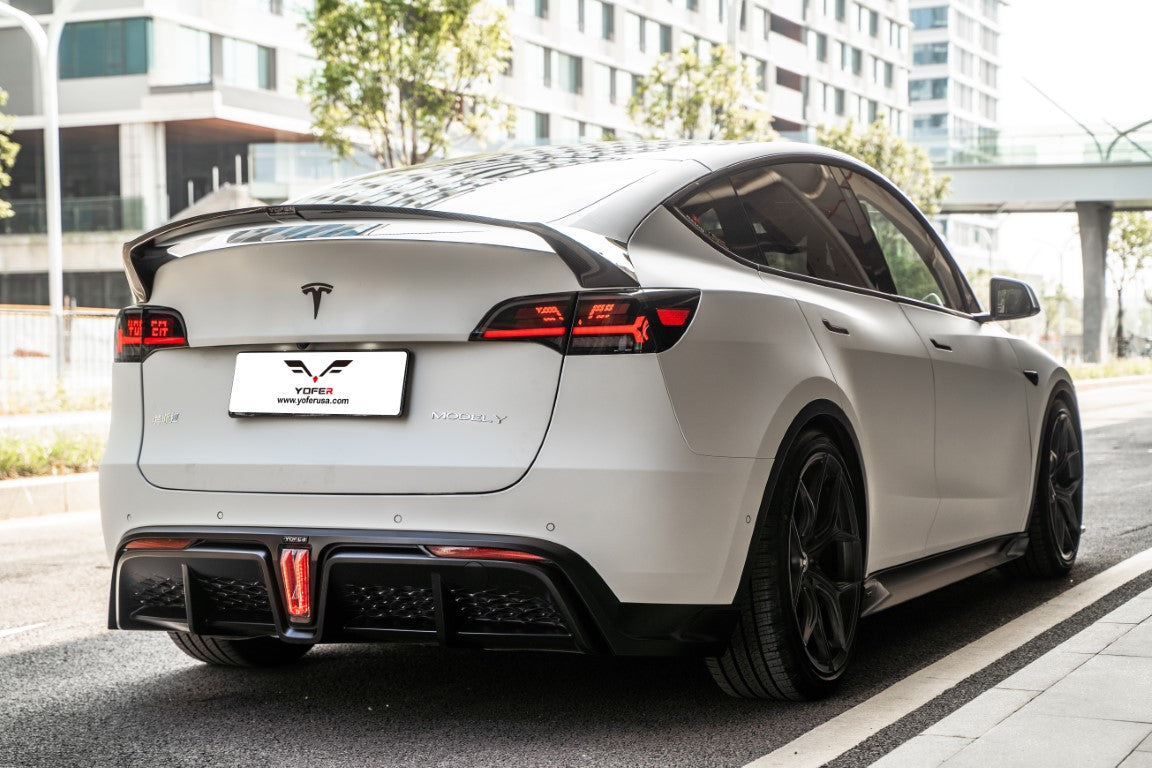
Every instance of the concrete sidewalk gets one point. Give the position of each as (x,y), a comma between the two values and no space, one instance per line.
(1087,703)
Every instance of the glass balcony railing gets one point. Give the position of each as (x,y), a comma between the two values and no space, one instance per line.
(78,214)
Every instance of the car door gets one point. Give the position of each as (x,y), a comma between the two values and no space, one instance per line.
(982,445)
(803,231)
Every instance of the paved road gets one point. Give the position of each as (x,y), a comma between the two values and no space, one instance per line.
(74,693)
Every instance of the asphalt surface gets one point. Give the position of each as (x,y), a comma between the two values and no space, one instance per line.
(74,693)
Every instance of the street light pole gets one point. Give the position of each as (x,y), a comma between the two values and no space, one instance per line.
(47,52)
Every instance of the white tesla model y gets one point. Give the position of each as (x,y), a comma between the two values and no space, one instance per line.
(712,399)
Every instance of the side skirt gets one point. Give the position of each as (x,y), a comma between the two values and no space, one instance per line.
(893,586)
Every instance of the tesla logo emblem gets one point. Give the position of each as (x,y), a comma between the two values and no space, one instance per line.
(317,290)
(334,367)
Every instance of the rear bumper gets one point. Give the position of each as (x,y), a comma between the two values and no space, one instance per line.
(387,587)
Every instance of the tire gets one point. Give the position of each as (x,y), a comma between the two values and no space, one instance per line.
(1058,504)
(225,652)
(800,605)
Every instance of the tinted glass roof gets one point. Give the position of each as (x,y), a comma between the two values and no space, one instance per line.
(434,184)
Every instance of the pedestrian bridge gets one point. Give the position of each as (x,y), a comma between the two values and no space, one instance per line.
(1093,190)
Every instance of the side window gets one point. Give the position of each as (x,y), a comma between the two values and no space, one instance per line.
(791,209)
(919,271)
(715,211)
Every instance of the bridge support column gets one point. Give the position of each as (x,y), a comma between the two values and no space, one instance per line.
(1095,221)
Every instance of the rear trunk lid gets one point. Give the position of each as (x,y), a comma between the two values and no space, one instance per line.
(472,414)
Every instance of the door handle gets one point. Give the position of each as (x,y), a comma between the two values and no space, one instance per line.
(836,328)
(938,345)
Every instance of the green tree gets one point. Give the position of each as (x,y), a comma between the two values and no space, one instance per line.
(8,150)
(1129,251)
(906,164)
(409,75)
(687,96)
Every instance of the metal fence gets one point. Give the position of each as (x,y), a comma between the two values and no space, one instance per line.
(29,377)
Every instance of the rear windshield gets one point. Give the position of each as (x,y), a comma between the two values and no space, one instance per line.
(521,186)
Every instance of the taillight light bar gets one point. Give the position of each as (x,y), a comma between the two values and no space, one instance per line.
(594,323)
(296,578)
(143,329)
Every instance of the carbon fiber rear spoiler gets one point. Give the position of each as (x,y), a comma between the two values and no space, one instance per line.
(593,268)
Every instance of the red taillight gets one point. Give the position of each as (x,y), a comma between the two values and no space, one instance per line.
(139,330)
(594,323)
(484,553)
(159,544)
(295,575)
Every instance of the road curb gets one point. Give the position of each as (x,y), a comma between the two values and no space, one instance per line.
(35,496)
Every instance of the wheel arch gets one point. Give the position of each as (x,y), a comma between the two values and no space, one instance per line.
(831,419)
(1060,389)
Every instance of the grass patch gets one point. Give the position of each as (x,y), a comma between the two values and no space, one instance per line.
(30,402)
(1126,366)
(49,453)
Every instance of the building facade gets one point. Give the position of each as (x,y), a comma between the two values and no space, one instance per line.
(954,90)
(164,101)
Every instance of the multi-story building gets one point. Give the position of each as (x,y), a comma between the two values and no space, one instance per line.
(576,62)
(954,95)
(163,101)
(159,103)
(954,90)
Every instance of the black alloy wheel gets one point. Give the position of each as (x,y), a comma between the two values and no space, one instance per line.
(1058,504)
(825,564)
(800,603)
(1065,475)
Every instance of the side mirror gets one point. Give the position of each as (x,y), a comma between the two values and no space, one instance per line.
(1011,300)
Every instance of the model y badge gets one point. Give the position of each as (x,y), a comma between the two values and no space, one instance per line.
(317,290)
(334,367)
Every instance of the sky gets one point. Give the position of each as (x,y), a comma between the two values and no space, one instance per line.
(1094,57)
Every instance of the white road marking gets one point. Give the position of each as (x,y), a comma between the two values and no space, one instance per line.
(834,737)
(17,630)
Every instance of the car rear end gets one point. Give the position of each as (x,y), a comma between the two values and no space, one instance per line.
(369,425)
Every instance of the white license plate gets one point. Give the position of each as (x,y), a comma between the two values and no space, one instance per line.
(319,383)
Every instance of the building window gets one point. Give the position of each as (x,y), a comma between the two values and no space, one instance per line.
(786,78)
(541,11)
(925,90)
(889,74)
(247,65)
(580,15)
(612,78)
(607,21)
(821,46)
(930,53)
(873,24)
(857,62)
(841,10)
(183,56)
(991,9)
(840,101)
(765,22)
(743,15)
(930,18)
(787,28)
(988,73)
(543,127)
(692,5)
(989,39)
(873,111)
(761,70)
(105,48)
(665,38)
(930,125)
(571,73)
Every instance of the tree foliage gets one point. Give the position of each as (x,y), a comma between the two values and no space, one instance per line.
(411,75)
(1129,253)
(687,96)
(907,165)
(8,150)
